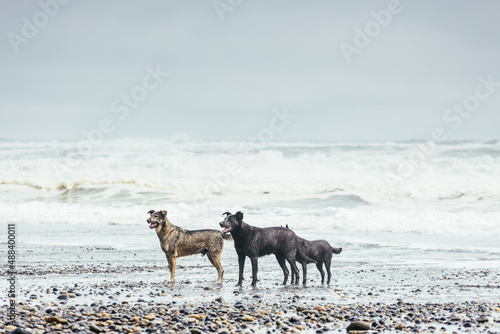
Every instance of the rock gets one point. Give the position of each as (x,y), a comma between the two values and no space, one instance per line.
(18,331)
(359,326)
(399,326)
(63,297)
(320,308)
(301,308)
(190,320)
(482,320)
(95,329)
(56,320)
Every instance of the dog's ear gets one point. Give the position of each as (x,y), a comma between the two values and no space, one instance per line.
(239,216)
(164,213)
(227,214)
(151,212)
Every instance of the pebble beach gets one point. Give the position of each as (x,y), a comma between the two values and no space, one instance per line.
(129,293)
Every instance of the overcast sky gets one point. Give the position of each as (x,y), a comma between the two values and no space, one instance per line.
(345,71)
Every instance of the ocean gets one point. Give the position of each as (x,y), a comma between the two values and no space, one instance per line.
(384,203)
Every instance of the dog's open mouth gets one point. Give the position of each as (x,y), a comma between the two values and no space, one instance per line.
(153,225)
(227,229)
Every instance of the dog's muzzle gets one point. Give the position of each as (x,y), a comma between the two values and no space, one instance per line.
(226,229)
(152,224)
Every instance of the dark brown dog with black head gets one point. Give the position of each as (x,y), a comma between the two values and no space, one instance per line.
(255,242)
(176,242)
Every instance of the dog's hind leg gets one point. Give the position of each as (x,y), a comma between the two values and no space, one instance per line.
(295,270)
(281,261)
(215,261)
(327,265)
(319,265)
(304,269)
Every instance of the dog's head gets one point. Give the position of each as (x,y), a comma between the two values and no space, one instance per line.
(157,218)
(232,222)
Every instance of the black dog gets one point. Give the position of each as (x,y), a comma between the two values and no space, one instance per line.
(319,250)
(254,242)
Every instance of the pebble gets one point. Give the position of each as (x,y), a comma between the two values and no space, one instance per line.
(95,329)
(399,326)
(58,320)
(359,326)
(320,308)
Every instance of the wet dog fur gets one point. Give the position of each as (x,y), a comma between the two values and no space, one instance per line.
(176,242)
(320,251)
(255,242)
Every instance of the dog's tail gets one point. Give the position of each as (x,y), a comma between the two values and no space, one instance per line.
(227,236)
(336,250)
(304,258)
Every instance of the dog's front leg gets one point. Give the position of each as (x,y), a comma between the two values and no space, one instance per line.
(254,271)
(241,263)
(171,266)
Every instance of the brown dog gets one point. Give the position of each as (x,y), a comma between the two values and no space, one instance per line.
(176,242)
